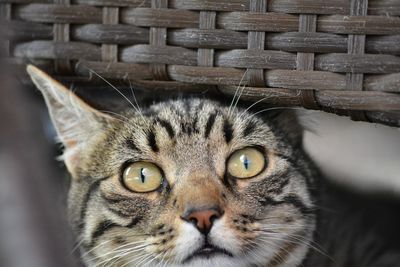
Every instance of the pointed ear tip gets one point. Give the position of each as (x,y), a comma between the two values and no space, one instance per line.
(30,68)
(39,77)
(33,71)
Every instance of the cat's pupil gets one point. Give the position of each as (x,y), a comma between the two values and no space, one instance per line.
(142,175)
(245,160)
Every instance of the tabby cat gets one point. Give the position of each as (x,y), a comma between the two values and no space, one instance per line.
(197,182)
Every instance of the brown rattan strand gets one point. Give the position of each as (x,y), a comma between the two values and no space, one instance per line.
(109,52)
(342,7)
(233,76)
(356,48)
(268,59)
(57,13)
(205,56)
(60,50)
(356,100)
(238,21)
(62,35)
(158,38)
(388,83)
(196,38)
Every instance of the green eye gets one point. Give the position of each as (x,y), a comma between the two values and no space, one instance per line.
(246,163)
(142,177)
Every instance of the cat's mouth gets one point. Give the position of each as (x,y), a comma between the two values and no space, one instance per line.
(207,251)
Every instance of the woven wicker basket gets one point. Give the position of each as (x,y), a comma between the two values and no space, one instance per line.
(335,55)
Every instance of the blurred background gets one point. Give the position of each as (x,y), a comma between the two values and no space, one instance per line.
(360,155)
(33,185)
(33,225)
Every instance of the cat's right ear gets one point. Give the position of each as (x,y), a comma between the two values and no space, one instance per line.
(75,121)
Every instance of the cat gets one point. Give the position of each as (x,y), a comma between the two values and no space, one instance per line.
(198,182)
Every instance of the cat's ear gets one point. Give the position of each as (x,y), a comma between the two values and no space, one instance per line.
(288,121)
(74,120)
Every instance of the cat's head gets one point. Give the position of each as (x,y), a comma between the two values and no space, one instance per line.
(189,182)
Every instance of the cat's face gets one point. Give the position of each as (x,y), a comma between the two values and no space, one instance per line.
(184,183)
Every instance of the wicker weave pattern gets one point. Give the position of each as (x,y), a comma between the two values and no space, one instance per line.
(332,55)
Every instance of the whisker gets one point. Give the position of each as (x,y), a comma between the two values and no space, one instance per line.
(273,108)
(299,240)
(121,118)
(253,245)
(312,244)
(116,89)
(142,259)
(113,250)
(161,262)
(95,247)
(273,244)
(239,96)
(120,253)
(111,85)
(236,91)
(78,244)
(280,246)
(135,99)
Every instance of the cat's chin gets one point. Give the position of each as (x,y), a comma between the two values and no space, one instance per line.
(216,260)
(207,252)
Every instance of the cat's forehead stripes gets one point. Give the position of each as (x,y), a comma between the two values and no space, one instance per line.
(228,130)
(210,124)
(152,142)
(167,126)
(193,116)
(131,144)
(249,128)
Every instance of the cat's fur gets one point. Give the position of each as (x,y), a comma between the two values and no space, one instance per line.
(285,216)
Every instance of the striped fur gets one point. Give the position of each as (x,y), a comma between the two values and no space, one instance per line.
(191,139)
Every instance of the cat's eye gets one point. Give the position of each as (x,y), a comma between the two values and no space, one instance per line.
(142,177)
(246,163)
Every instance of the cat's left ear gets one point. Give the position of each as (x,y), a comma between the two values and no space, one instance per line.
(288,121)
(75,121)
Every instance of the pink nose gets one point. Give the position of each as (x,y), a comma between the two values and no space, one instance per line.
(203,219)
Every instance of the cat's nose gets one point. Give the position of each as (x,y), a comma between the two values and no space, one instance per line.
(203,219)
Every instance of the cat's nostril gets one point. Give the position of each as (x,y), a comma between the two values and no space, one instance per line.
(193,220)
(203,219)
(213,218)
